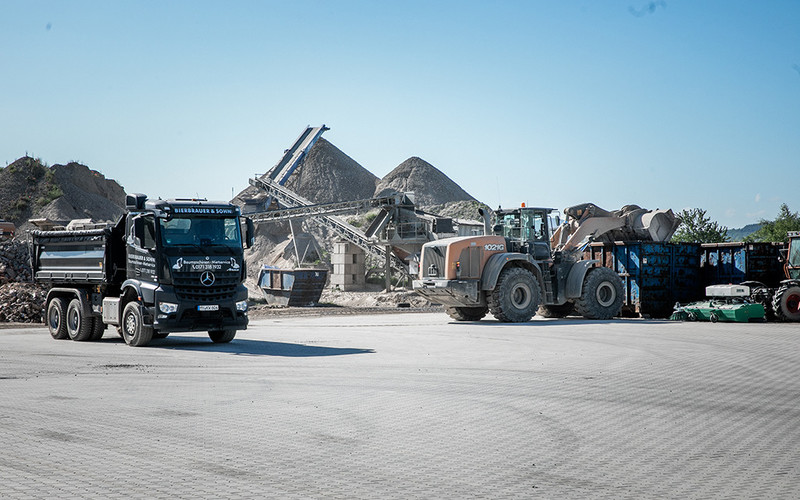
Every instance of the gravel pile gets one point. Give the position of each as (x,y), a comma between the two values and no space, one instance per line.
(22,302)
(429,184)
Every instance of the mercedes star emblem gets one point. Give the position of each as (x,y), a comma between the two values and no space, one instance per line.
(207,278)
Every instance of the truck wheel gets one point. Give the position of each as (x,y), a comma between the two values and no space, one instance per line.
(79,327)
(221,336)
(56,321)
(135,333)
(786,303)
(556,311)
(467,313)
(98,329)
(601,297)
(516,296)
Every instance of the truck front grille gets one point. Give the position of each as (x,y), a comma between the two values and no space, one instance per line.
(189,287)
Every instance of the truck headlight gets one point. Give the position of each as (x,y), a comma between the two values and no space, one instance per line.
(167,307)
(241,306)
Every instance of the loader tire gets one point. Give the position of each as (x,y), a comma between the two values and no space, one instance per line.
(556,311)
(134,331)
(79,325)
(516,296)
(601,296)
(786,303)
(467,313)
(56,319)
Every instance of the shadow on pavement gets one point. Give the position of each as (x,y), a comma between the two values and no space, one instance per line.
(254,347)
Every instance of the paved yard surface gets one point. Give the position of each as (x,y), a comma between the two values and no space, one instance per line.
(406,406)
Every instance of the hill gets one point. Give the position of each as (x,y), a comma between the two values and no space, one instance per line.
(740,233)
(30,189)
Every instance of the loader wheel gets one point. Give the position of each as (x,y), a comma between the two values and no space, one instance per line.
(79,326)
(56,321)
(601,297)
(786,303)
(467,313)
(516,296)
(135,333)
(556,311)
(98,329)
(221,336)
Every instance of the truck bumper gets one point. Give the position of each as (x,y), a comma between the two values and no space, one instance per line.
(193,316)
(455,293)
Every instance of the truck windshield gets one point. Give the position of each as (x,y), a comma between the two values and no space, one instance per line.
(201,231)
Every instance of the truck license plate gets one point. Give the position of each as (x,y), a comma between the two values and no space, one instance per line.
(212,307)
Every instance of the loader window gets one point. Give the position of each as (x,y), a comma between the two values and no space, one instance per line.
(533,226)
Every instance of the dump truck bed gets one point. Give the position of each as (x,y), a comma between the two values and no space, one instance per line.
(78,257)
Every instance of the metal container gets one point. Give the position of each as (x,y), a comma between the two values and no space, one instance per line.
(292,287)
(736,262)
(655,275)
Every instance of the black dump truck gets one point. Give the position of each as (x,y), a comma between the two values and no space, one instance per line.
(166,266)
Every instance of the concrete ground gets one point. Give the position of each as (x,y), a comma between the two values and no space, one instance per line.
(406,405)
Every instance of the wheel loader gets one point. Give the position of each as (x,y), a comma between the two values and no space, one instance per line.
(513,273)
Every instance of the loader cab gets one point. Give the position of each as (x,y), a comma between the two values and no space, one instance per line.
(527,229)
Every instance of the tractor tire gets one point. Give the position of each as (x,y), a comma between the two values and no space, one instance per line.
(516,296)
(786,303)
(134,332)
(556,311)
(56,319)
(467,313)
(601,297)
(98,329)
(79,326)
(221,336)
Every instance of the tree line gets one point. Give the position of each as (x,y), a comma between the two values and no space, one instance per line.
(696,227)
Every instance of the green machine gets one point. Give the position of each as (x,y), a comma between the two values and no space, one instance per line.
(727,303)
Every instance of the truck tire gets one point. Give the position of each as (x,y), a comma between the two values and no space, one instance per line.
(786,303)
(556,311)
(221,336)
(516,296)
(601,297)
(56,319)
(79,326)
(98,329)
(467,313)
(135,333)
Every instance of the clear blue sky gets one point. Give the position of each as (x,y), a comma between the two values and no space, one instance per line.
(669,104)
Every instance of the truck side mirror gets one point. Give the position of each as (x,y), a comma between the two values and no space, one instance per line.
(143,233)
(250,233)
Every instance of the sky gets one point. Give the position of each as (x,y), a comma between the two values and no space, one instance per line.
(663,104)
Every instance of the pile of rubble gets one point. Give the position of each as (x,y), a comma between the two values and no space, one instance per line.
(19,302)
(22,302)
(14,262)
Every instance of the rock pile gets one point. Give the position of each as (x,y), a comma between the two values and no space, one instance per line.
(22,302)
(14,262)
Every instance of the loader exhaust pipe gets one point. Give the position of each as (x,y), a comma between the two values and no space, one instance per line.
(487,224)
